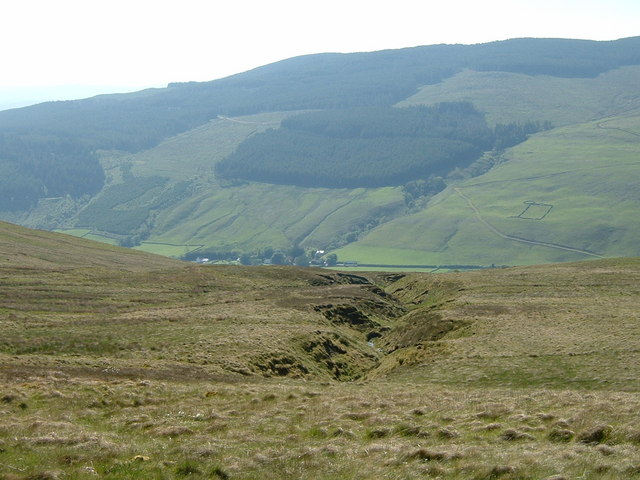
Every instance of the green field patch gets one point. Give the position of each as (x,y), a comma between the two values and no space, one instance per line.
(534,210)
(102,238)
(515,97)
(256,215)
(76,232)
(563,195)
(89,235)
(166,249)
(363,253)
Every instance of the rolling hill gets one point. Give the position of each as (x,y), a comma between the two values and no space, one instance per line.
(28,249)
(121,364)
(563,195)
(183,173)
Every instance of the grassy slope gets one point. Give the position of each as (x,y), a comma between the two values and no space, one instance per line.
(21,248)
(569,325)
(195,152)
(244,216)
(219,217)
(584,171)
(511,97)
(71,292)
(259,215)
(131,371)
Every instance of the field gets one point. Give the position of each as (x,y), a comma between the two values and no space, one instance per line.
(119,364)
(579,174)
(89,235)
(168,250)
(186,206)
(512,97)
(260,215)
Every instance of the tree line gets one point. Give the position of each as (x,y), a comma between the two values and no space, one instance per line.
(140,120)
(34,167)
(369,147)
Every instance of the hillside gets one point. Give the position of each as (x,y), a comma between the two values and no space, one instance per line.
(130,369)
(366,147)
(36,250)
(327,152)
(510,97)
(562,195)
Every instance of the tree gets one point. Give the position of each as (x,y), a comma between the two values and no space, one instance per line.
(267,252)
(301,261)
(297,251)
(278,258)
(362,147)
(332,260)
(245,259)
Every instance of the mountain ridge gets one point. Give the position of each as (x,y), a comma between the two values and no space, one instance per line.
(187,205)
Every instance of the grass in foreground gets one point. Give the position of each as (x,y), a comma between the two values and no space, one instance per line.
(72,426)
(131,367)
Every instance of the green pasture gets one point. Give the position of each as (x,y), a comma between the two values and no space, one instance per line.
(512,97)
(89,235)
(194,153)
(101,238)
(168,250)
(251,216)
(76,232)
(582,171)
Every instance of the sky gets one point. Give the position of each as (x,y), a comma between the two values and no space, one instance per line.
(77,48)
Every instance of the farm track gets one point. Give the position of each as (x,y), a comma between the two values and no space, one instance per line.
(519,239)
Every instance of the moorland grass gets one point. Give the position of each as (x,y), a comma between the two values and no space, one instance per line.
(118,428)
(157,369)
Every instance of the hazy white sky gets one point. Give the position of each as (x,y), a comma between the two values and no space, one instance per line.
(131,44)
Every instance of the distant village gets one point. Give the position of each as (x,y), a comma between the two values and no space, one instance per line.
(314,258)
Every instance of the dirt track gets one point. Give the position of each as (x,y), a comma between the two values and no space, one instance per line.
(519,239)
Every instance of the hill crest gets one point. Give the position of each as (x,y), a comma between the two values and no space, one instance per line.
(154,153)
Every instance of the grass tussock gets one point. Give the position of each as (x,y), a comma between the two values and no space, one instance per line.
(190,434)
